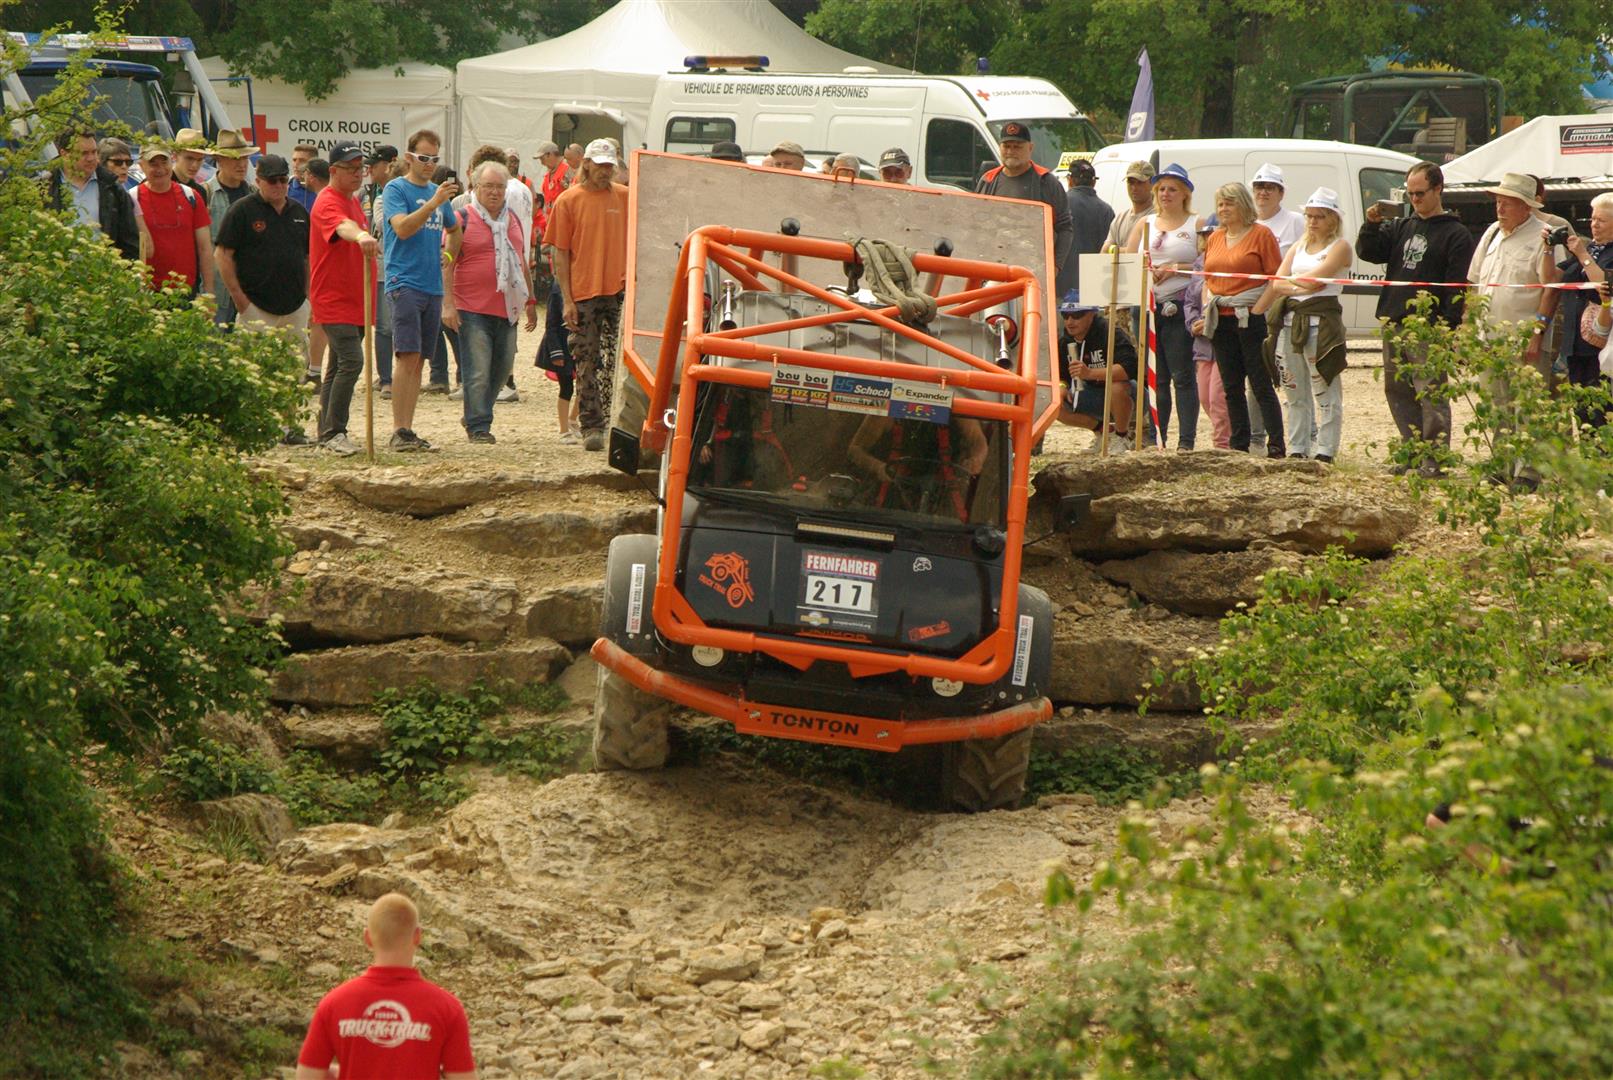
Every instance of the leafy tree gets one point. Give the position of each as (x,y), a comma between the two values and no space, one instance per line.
(129,527)
(313,44)
(936,36)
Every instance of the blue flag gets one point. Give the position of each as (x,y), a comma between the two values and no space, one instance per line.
(1140,124)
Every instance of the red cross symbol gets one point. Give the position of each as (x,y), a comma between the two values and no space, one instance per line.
(260,133)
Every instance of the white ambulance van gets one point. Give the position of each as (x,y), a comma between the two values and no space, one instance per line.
(947,124)
(1360,174)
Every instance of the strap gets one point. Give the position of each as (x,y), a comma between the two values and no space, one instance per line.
(892,279)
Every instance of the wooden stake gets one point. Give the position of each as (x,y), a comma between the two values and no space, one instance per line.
(369,363)
(1109,357)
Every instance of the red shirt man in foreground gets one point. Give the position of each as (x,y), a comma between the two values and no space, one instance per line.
(390,1023)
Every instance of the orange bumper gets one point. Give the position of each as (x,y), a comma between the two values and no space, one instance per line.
(814,725)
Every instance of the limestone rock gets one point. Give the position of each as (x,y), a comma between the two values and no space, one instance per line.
(654,984)
(325,848)
(568,612)
(344,737)
(262,817)
(355,674)
(387,604)
(406,491)
(569,990)
(1222,501)
(580,681)
(1211,583)
(725,961)
(762,1035)
(550,533)
(328,536)
(1111,659)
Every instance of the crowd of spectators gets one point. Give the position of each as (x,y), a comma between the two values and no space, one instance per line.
(1244,314)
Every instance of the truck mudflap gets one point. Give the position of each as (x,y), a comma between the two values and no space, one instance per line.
(814,725)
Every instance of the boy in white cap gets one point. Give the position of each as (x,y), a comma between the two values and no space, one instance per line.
(1267,185)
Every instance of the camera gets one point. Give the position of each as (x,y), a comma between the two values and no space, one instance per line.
(1558,236)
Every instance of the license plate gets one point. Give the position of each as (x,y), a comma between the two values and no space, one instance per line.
(839,594)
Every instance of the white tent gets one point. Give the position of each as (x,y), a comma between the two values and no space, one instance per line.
(598,79)
(1548,146)
(371,107)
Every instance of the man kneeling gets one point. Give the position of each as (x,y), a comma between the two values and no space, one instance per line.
(1084,364)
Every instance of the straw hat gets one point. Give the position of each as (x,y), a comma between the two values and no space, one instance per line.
(231,145)
(1518,186)
(190,139)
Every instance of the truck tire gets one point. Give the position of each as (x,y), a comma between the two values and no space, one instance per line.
(630,726)
(985,774)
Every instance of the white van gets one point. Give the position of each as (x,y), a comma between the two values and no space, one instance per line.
(947,124)
(1360,174)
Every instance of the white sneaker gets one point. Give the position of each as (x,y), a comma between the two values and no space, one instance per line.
(507,395)
(456,394)
(340,444)
(568,436)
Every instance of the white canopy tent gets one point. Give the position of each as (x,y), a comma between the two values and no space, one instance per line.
(598,79)
(372,107)
(1547,146)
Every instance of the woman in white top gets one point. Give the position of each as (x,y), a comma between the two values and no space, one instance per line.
(1172,248)
(1313,406)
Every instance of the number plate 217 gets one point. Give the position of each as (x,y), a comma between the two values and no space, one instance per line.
(839,593)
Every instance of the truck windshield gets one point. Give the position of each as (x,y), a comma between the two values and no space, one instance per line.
(136,102)
(1054,137)
(839,464)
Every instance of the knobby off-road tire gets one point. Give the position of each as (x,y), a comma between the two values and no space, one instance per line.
(630,726)
(985,774)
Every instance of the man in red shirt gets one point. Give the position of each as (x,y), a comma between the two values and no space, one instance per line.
(390,1023)
(181,229)
(339,241)
(588,232)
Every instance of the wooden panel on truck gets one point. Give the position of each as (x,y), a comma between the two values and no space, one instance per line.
(673,195)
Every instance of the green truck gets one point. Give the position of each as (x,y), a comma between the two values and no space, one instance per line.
(1434,115)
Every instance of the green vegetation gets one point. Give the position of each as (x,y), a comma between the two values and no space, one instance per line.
(1358,940)
(129,524)
(1113,774)
(429,735)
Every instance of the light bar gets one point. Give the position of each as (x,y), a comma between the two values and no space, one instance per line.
(845,532)
(753,62)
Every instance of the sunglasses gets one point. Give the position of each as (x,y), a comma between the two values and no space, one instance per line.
(275,179)
(120,161)
(427,159)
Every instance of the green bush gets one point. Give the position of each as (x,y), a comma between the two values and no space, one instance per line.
(209,769)
(129,524)
(1359,940)
(1113,774)
(317,794)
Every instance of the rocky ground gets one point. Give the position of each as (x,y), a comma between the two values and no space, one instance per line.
(714,920)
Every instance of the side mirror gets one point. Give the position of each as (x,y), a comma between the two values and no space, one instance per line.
(623,453)
(1072,511)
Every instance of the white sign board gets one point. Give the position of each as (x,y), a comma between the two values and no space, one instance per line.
(1101,273)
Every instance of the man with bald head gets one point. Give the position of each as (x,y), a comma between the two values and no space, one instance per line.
(390,1021)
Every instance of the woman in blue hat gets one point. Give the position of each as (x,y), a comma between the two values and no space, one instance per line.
(1172,248)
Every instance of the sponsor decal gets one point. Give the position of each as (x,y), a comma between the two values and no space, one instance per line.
(838,590)
(921,401)
(860,394)
(730,576)
(850,565)
(794,385)
(1022,649)
(812,722)
(922,565)
(260,226)
(635,600)
(837,635)
(387,1024)
(814,618)
(1585,138)
(925,633)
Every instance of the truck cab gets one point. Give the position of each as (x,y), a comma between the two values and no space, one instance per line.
(124,92)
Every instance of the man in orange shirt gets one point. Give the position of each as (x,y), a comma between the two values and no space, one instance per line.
(588,234)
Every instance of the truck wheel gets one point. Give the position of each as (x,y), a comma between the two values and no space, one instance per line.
(985,774)
(630,726)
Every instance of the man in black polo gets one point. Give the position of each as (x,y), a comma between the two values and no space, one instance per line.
(1019,177)
(263,253)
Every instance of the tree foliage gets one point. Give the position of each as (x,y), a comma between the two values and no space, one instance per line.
(129,525)
(1224,67)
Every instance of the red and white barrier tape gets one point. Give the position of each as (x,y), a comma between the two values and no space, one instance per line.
(1383,282)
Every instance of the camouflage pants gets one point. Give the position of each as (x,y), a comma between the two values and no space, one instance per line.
(593,349)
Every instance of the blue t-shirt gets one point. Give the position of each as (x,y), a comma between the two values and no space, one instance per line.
(415,263)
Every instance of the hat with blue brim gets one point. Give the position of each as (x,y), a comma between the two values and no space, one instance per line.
(1072,305)
(1173,171)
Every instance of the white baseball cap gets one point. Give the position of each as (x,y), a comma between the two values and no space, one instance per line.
(1269,174)
(601,152)
(1323,198)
